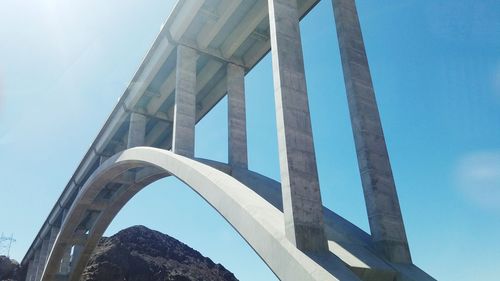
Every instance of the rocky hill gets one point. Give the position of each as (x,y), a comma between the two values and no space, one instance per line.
(9,269)
(139,254)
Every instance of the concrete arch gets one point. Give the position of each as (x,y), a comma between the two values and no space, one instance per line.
(254,218)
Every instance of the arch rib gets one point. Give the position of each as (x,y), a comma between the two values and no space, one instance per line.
(257,221)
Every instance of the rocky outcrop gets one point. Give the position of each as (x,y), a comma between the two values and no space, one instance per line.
(138,253)
(10,270)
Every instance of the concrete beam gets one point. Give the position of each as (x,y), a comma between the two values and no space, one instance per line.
(237,129)
(154,61)
(110,130)
(158,130)
(299,177)
(185,102)
(184,18)
(136,130)
(254,17)
(166,89)
(209,31)
(384,213)
(206,73)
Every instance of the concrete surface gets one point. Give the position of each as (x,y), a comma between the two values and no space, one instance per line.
(382,204)
(299,176)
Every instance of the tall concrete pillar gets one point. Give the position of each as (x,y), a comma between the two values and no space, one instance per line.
(384,214)
(66,258)
(29,272)
(54,231)
(236,117)
(185,102)
(42,259)
(65,261)
(36,263)
(136,130)
(47,244)
(77,251)
(302,205)
(44,252)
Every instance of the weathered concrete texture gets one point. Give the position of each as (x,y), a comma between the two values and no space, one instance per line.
(299,176)
(31,268)
(44,252)
(255,219)
(384,214)
(136,130)
(64,264)
(36,262)
(229,31)
(185,102)
(64,267)
(239,201)
(237,133)
(77,251)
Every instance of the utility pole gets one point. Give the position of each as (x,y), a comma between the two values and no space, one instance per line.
(6,243)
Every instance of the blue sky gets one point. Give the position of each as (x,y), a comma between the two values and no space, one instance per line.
(436,72)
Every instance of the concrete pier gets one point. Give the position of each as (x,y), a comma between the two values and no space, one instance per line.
(384,214)
(237,133)
(31,268)
(36,264)
(137,130)
(54,231)
(44,251)
(77,251)
(65,261)
(299,177)
(185,102)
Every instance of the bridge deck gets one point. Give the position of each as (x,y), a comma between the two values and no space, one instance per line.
(223,31)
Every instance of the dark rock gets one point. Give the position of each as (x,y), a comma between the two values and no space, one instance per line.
(10,270)
(138,253)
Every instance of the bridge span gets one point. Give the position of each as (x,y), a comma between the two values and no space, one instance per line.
(202,54)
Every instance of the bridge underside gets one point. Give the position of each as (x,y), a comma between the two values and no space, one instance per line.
(250,202)
(202,54)
(223,33)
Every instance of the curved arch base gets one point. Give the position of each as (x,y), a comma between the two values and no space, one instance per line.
(248,201)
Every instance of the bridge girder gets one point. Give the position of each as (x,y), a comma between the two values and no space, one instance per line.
(198,57)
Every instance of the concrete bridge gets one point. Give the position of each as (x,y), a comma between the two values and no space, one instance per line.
(202,53)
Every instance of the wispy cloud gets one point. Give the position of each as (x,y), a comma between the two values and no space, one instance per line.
(478,178)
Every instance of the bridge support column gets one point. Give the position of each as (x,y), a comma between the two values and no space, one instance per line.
(77,251)
(185,102)
(65,261)
(384,214)
(302,205)
(66,258)
(29,272)
(54,231)
(136,130)
(236,117)
(42,258)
